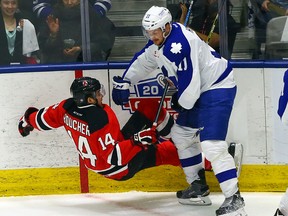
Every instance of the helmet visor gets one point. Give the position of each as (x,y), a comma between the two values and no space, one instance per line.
(102,90)
(151,34)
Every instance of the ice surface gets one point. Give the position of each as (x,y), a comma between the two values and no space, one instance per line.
(129,203)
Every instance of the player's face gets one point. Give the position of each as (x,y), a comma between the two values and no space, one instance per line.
(99,95)
(156,36)
(8,7)
(71,3)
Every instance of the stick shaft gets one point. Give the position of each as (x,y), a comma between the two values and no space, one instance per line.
(214,22)
(188,14)
(161,104)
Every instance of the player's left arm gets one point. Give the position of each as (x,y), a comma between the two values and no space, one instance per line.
(140,66)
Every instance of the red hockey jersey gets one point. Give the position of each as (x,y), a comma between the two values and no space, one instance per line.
(95,132)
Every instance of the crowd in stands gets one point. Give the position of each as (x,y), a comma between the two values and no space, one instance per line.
(49,31)
(204,16)
(263,12)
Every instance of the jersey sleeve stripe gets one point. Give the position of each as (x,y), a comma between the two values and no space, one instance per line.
(115,156)
(41,123)
(113,171)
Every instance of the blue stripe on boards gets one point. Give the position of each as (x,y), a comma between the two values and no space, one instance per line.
(191,161)
(226,175)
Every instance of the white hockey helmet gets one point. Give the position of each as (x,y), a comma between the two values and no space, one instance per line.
(156,17)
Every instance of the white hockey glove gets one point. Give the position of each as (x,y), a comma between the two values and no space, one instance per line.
(120,92)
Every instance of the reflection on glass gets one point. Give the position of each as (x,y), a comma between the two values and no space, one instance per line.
(60,35)
(249,34)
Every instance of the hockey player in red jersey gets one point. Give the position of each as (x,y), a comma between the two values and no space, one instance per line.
(95,130)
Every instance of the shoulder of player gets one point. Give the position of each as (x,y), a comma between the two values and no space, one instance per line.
(177,43)
(96,117)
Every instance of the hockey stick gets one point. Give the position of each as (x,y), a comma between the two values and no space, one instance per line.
(214,22)
(161,103)
(212,29)
(188,14)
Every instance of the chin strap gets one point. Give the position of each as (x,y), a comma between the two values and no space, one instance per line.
(165,36)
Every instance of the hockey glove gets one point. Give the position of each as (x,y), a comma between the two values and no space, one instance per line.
(120,92)
(145,137)
(24,125)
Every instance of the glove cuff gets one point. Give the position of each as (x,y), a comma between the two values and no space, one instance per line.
(135,139)
(28,112)
(120,84)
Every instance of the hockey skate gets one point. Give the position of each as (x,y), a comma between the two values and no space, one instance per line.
(197,193)
(278,212)
(232,206)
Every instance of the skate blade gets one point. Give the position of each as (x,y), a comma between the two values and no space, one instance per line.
(239,212)
(199,201)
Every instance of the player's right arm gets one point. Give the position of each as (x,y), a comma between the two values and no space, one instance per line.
(140,66)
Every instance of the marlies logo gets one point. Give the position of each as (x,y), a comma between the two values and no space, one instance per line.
(146,91)
(176,48)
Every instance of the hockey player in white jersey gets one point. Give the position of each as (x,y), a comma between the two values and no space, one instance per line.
(206,92)
(283,114)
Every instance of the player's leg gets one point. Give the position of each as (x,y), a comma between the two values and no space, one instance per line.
(283,206)
(165,120)
(143,118)
(226,174)
(189,152)
(166,154)
(214,116)
(137,122)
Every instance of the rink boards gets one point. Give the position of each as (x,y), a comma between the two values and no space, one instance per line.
(47,163)
(40,181)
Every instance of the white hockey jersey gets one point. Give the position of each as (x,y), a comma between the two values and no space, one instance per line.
(194,64)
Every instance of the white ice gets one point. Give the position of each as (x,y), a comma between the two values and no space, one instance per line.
(129,203)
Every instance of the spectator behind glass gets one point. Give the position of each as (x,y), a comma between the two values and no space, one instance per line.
(11,36)
(43,8)
(60,40)
(265,10)
(204,13)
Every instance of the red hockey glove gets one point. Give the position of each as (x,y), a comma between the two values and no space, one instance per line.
(24,125)
(145,137)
